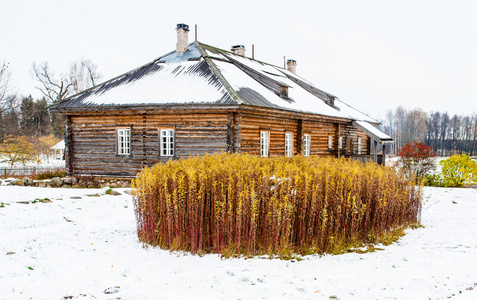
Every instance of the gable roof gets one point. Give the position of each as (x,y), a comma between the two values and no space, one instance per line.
(205,75)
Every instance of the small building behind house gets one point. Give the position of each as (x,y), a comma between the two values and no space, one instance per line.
(59,150)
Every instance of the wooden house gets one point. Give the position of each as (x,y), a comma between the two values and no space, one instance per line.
(200,99)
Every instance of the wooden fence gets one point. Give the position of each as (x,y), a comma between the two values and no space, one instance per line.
(27,170)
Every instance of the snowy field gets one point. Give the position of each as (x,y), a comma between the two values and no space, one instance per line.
(85,247)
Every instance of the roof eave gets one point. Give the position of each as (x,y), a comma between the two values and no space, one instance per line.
(384,141)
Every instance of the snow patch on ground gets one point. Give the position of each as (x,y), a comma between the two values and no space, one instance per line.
(83,244)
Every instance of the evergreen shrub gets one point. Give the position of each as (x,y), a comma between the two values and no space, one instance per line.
(236,204)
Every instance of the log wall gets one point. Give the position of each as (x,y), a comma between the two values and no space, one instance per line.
(91,139)
(94,142)
(319,129)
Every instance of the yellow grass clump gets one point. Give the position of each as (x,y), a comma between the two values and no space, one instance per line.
(236,204)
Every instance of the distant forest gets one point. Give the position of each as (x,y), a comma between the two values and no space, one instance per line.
(445,134)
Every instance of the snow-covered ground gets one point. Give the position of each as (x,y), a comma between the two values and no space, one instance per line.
(84,247)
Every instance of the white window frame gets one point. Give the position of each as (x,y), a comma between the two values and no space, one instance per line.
(306,144)
(288,144)
(167,141)
(340,142)
(264,143)
(124,141)
(330,142)
(360,146)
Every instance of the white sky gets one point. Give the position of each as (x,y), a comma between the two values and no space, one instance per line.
(374,55)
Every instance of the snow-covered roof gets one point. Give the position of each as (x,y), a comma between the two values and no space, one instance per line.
(373,132)
(59,145)
(205,75)
(353,113)
(255,93)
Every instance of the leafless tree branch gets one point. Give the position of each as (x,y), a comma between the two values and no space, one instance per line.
(84,75)
(52,87)
(4,81)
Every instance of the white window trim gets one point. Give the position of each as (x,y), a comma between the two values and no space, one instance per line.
(288,144)
(264,143)
(340,142)
(167,146)
(123,141)
(306,144)
(330,142)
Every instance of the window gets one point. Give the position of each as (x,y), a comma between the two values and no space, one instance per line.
(167,142)
(264,143)
(288,144)
(124,141)
(283,92)
(306,145)
(360,147)
(330,142)
(340,142)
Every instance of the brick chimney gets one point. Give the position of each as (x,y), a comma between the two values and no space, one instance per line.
(291,65)
(182,38)
(238,49)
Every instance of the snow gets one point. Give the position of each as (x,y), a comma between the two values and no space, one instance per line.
(373,130)
(181,79)
(175,82)
(88,248)
(212,54)
(174,57)
(259,67)
(296,76)
(59,145)
(352,112)
(303,100)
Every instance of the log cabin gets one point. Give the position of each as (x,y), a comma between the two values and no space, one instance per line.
(200,99)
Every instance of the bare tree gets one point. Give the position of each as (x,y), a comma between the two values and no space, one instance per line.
(474,135)
(389,127)
(84,74)
(56,88)
(8,105)
(52,87)
(433,127)
(4,86)
(400,125)
(446,135)
(416,126)
(445,120)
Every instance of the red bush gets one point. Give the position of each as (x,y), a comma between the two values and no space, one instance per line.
(417,158)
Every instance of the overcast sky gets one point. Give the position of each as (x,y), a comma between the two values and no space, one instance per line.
(374,55)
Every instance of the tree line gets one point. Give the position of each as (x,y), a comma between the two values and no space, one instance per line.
(445,134)
(26,124)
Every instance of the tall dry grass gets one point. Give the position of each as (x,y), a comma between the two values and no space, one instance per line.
(247,205)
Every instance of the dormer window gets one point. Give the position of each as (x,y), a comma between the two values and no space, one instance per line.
(284,92)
